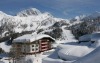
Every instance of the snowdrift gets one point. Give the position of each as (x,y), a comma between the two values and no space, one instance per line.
(85,38)
(75,54)
(93,57)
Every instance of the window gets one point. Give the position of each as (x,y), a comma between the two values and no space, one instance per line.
(33,45)
(36,45)
(32,49)
(36,49)
(47,40)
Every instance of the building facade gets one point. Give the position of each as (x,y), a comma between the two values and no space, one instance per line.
(32,44)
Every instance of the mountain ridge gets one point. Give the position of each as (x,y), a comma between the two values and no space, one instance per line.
(29,12)
(44,23)
(40,23)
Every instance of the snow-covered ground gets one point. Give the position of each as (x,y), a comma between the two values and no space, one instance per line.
(34,58)
(68,52)
(26,59)
(74,52)
(68,49)
(67,36)
(5,47)
(39,57)
(4,56)
(5,60)
(93,57)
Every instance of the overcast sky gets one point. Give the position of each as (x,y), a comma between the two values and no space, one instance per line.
(58,8)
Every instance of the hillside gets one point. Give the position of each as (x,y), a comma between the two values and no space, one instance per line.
(86,25)
(34,21)
(65,32)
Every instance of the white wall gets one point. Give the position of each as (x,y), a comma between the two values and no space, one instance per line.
(35,47)
(26,48)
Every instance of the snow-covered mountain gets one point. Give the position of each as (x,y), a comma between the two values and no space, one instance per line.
(85,17)
(60,29)
(78,18)
(87,25)
(95,14)
(2,15)
(82,18)
(32,20)
(29,12)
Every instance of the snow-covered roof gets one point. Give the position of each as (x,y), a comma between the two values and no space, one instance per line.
(31,37)
(90,37)
(95,36)
(86,37)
